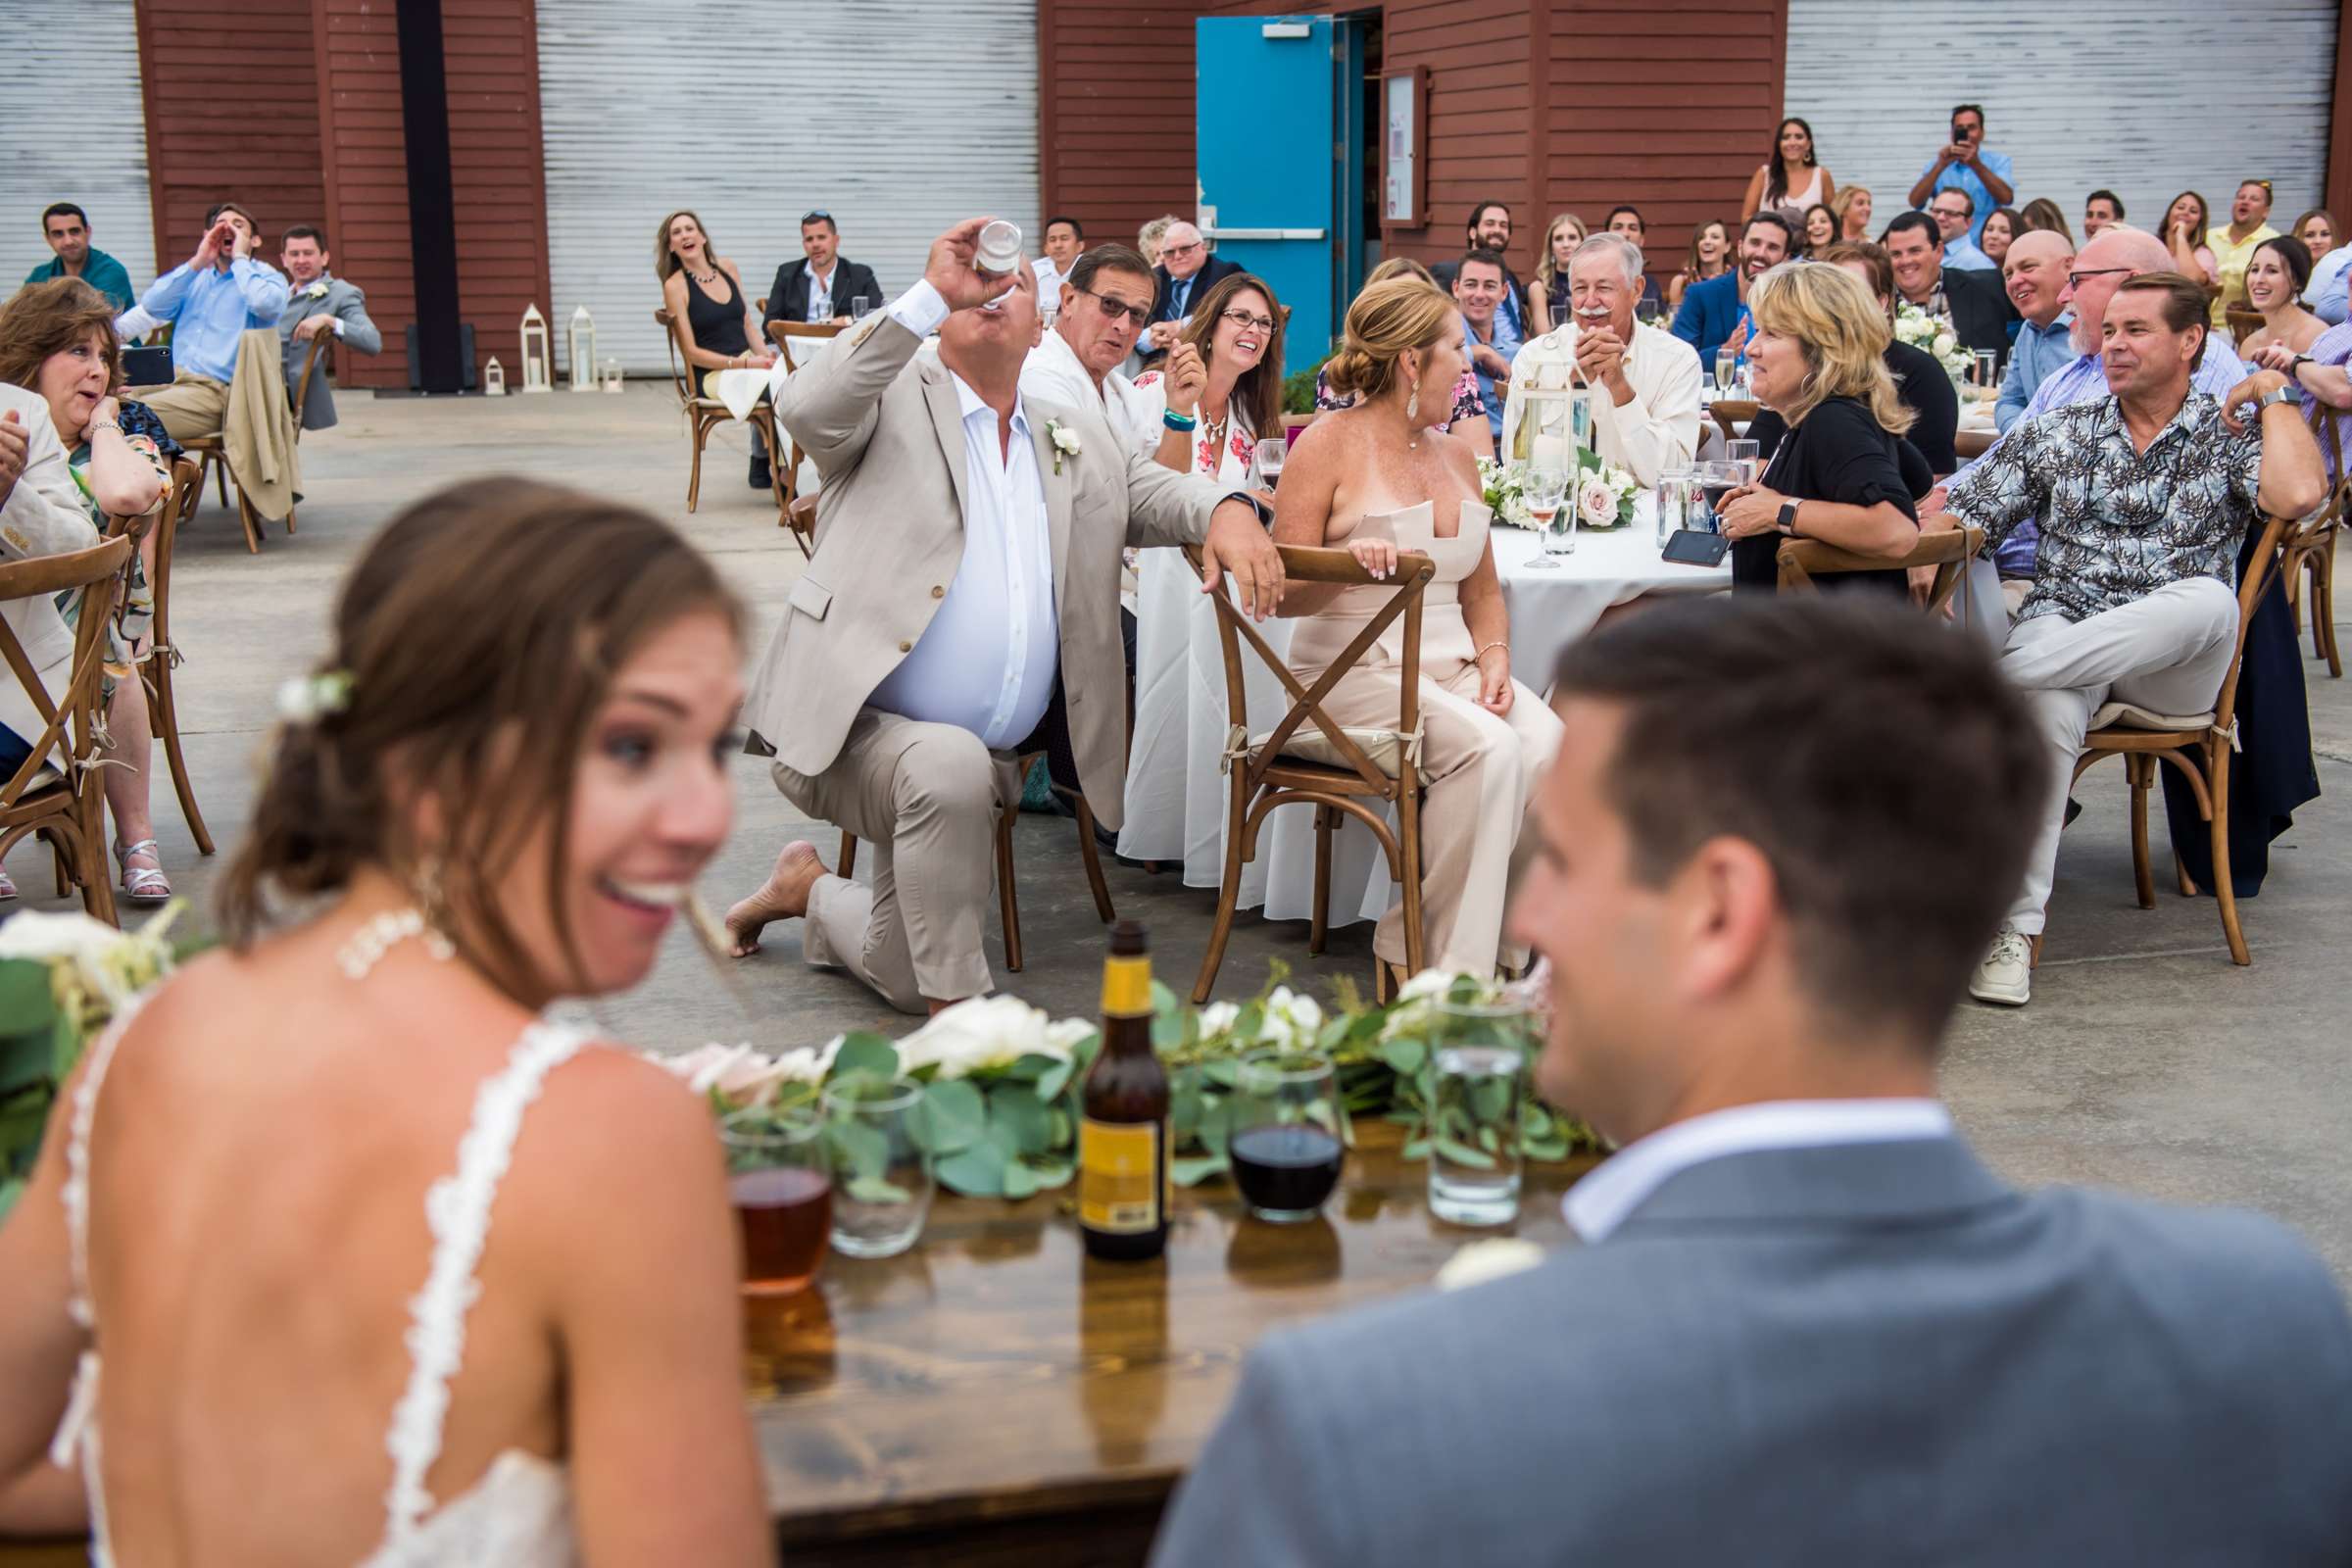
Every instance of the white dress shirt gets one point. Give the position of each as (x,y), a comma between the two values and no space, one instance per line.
(987,661)
(820,293)
(1600,1202)
(1658,431)
(1052,372)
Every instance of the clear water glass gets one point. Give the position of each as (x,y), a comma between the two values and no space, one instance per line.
(1676,487)
(860,304)
(1478,1080)
(881,1173)
(1748,457)
(1548,496)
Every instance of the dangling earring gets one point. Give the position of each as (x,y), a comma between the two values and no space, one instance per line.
(1412,404)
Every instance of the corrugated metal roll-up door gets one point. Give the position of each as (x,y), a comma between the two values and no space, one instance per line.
(76,130)
(899,117)
(2146,98)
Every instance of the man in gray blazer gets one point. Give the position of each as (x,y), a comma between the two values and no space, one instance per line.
(1805,1324)
(962,607)
(318,302)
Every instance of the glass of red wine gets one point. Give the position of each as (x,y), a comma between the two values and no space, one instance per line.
(781,1182)
(1286,1145)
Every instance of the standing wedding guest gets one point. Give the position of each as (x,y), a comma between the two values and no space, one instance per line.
(1822,1329)
(57,340)
(2186,226)
(1715,312)
(1851,204)
(318,302)
(1646,381)
(2002,225)
(1548,296)
(1816,360)
(2036,275)
(962,607)
(1921,384)
(2317,231)
(705,290)
(2042,214)
(2100,210)
(1379,479)
(1791,179)
(1710,257)
(2234,246)
(211,301)
(1628,223)
(1466,420)
(1490,229)
(1821,229)
(66,228)
(823,285)
(1965,164)
(2276,277)
(496,791)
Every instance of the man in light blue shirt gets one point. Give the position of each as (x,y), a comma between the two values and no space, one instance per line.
(1965,165)
(2327,292)
(1955,213)
(212,300)
(2036,268)
(1480,288)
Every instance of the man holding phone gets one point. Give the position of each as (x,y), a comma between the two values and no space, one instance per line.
(212,299)
(1964,163)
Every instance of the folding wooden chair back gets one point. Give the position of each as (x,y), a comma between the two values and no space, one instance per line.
(1309,759)
(2311,557)
(1948,551)
(162,657)
(55,791)
(706,413)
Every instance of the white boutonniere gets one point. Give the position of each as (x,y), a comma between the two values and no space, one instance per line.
(1063,439)
(316,291)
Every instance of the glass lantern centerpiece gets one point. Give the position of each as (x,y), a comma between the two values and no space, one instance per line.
(583,351)
(494,378)
(1558,422)
(538,362)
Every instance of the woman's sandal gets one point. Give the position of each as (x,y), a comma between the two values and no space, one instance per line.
(142,884)
(8,889)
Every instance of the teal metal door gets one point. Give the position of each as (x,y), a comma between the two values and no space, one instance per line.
(1267,100)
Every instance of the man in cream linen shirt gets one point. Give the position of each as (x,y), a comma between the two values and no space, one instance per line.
(1646,381)
(961,608)
(40,514)
(1806,1324)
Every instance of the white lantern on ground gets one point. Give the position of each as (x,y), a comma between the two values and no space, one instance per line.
(538,368)
(494,378)
(583,351)
(612,381)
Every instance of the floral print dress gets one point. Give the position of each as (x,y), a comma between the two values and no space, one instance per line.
(147,437)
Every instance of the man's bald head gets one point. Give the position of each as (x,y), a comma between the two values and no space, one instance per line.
(1182,250)
(2034,274)
(2116,252)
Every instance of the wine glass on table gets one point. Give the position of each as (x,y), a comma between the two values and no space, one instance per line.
(1715,481)
(1547,490)
(1272,453)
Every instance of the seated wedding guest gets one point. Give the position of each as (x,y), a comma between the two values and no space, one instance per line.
(1717,310)
(1971,301)
(1063,240)
(2134,595)
(1955,218)
(2186,226)
(705,290)
(2002,225)
(40,514)
(1490,229)
(1791,179)
(1104,297)
(953,616)
(1547,295)
(66,228)
(1466,420)
(2100,209)
(1710,257)
(1821,229)
(1480,284)
(1646,381)
(2035,273)
(1185,275)
(1816,360)
(2317,231)
(1377,480)
(1921,386)
(496,792)
(2276,277)
(211,301)
(1148,237)
(2042,214)
(2326,293)
(2232,246)
(1851,204)
(57,340)
(823,285)
(1802,1300)
(318,302)
(1628,222)
(2319,372)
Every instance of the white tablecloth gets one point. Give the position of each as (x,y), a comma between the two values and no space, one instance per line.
(1552,607)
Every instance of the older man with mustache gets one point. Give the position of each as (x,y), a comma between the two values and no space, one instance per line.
(1646,381)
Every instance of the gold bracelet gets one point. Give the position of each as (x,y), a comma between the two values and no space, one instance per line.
(1503,643)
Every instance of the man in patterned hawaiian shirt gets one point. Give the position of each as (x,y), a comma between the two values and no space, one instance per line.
(2146,495)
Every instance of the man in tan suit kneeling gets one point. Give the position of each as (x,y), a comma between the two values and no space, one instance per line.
(962,605)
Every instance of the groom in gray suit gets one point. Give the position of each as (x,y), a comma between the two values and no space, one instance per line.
(961,609)
(1805,1324)
(318,301)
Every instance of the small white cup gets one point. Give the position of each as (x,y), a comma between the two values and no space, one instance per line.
(999,251)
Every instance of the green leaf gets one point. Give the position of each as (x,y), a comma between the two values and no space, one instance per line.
(955,1114)
(11,1188)
(865,1052)
(1463,1155)
(1416,1149)
(1216,1126)
(859,1149)
(26,999)
(975,1172)
(1016,1108)
(1171,1021)
(1019,1182)
(1029,1068)
(1051,1172)
(1054,1079)
(1193,1171)
(1185,1106)
(874,1190)
(1404,1053)
(1222,1071)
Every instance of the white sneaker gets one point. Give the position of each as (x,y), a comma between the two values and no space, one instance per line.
(2006,973)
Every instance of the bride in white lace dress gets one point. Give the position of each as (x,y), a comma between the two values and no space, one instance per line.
(382,1268)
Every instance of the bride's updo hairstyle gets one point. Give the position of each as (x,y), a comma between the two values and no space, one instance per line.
(475,642)
(1388,321)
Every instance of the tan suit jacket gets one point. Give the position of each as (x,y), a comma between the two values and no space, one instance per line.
(881,425)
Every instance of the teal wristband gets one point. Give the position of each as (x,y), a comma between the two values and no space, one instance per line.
(1182,423)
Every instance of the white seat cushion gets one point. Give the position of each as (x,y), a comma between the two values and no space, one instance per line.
(1384,747)
(2130,716)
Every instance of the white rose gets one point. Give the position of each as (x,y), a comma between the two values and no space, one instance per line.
(1596,502)
(1217,1017)
(42,937)
(982,1032)
(109,963)
(1062,437)
(1292,1021)
(1427,985)
(1944,344)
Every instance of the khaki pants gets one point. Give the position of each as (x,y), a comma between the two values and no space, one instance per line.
(924,798)
(193,407)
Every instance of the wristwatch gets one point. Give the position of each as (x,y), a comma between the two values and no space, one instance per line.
(2297,362)
(2275,396)
(1787,518)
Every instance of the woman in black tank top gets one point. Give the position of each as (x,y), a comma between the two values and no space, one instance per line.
(704,291)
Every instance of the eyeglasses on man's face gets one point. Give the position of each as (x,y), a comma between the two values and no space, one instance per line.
(1186,249)
(2074,279)
(1115,310)
(1243,318)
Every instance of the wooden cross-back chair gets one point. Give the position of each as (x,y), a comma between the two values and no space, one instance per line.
(798,341)
(1729,414)
(2311,556)
(210,453)
(55,791)
(705,415)
(1948,551)
(1309,759)
(2198,745)
(162,657)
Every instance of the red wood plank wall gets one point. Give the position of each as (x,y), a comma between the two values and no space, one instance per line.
(1115,112)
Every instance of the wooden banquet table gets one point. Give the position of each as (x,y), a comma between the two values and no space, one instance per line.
(995,1395)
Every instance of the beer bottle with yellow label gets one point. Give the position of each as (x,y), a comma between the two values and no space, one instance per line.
(1123,1181)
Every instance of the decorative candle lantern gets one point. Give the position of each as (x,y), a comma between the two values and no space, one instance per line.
(538,368)
(583,351)
(1558,421)
(612,381)
(494,378)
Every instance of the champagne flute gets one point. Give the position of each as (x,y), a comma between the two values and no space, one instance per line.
(1726,366)
(1547,489)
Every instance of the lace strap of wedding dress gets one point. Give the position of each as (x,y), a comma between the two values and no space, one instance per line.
(458,1210)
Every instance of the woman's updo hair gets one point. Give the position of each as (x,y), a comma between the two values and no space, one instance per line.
(473,644)
(1388,321)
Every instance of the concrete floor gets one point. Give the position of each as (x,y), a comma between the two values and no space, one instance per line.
(2147,1062)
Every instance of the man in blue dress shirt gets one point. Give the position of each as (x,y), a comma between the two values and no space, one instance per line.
(1965,165)
(212,300)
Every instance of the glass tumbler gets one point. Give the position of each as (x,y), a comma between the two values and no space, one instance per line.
(881,1173)
(1481,1054)
(779,1179)
(1286,1146)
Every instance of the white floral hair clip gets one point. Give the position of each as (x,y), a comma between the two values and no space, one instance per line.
(307,699)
